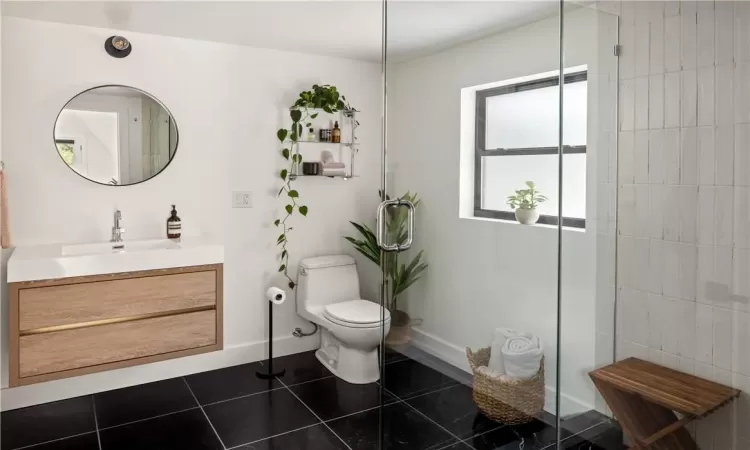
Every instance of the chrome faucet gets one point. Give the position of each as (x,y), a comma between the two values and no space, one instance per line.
(117,231)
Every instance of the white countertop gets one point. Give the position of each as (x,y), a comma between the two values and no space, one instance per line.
(44,262)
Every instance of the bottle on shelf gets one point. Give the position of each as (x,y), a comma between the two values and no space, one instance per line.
(336,133)
(311,135)
(325,135)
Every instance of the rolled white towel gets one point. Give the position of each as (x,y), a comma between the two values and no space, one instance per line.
(496,350)
(522,356)
(484,370)
(333,165)
(333,172)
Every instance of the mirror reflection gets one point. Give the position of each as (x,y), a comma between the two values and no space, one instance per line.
(115,135)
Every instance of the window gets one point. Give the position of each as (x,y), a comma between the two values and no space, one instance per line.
(517,141)
(66,149)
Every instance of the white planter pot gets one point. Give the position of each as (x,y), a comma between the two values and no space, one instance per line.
(527,216)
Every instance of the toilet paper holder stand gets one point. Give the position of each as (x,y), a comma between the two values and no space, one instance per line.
(270,374)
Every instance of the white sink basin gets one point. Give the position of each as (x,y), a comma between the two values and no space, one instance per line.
(47,262)
(135,246)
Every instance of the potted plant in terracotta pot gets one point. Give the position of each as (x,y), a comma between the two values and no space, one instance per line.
(399,277)
(524,203)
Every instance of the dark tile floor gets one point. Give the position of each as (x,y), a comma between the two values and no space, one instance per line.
(307,409)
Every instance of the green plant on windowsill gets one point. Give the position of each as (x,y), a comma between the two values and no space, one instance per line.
(398,277)
(524,202)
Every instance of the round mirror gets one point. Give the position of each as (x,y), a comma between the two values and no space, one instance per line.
(116,135)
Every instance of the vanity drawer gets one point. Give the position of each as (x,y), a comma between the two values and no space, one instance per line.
(94,346)
(80,303)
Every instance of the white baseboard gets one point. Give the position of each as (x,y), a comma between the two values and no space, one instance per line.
(440,348)
(456,356)
(569,405)
(20,397)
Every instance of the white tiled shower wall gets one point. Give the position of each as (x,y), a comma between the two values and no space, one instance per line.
(684,197)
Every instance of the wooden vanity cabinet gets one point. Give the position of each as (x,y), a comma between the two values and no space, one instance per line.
(74,326)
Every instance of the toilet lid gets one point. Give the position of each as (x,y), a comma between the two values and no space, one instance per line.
(357,311)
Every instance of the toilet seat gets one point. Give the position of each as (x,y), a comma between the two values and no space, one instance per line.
(357,314)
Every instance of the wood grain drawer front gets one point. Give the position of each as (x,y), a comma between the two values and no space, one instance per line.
(71,304)
(92,346)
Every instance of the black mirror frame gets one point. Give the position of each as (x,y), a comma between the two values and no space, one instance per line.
(176,128)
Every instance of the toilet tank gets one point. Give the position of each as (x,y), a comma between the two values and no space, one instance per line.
(326,279)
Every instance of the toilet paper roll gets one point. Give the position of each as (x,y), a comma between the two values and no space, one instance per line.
(275,295)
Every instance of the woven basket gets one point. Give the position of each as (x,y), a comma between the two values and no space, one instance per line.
(509,402)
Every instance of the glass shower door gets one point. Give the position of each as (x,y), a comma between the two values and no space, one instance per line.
(498,224)
(588,254)
(471,118)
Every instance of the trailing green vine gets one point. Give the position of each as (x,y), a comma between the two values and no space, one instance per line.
(305,109)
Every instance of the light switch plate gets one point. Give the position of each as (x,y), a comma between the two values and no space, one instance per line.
(242,199)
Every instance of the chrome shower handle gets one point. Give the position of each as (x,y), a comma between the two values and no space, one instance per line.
(381,225)
(411,213)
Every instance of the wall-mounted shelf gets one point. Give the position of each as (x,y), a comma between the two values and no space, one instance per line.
(348,122)
(342,112)
(345,144)
(342,177)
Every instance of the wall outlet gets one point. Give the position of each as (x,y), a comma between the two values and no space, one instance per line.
(242,199)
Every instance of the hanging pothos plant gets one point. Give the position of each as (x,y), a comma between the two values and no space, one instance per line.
(306,108)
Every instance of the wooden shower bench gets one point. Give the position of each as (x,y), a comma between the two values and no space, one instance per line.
(644,398)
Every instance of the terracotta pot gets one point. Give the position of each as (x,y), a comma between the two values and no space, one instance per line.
(401,331)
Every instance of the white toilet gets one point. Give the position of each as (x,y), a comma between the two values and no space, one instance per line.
(352,328)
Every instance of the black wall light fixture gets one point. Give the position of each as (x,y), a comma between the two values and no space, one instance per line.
(118,46)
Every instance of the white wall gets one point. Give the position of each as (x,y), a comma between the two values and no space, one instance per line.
(684,245)
(228,102)
(486,273)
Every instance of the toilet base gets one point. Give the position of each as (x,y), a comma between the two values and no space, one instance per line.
(352,365)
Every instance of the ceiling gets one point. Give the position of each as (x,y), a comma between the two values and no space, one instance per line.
(349,29)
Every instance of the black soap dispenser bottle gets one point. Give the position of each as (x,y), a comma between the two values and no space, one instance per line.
(174,225)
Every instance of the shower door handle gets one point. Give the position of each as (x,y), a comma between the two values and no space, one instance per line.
(410,219)
(381,228)
(381,232)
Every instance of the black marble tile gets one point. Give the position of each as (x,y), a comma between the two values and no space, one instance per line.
(607,436)
(142,402)
(612,439)
(582,444)
(547,418)
(88,441)
(300,367)
(588,445)
(42,423)
(316,437)
(260,416)
(229,382)
(535,435)
(409,378)
(454,409)
(435,363)
(333,397)
(585,421)
(403,429)
(187,430)
(391,355)
(457,446)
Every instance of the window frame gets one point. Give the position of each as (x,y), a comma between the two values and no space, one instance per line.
(481,152)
